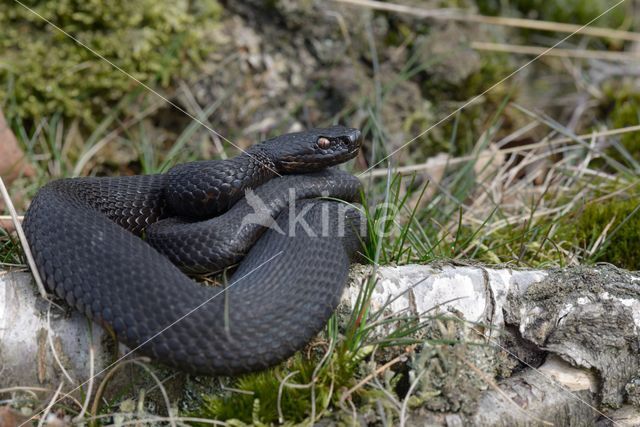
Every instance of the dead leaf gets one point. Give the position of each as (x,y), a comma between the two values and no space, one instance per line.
(12,418)
(12,160)
(488,162)
(13,163)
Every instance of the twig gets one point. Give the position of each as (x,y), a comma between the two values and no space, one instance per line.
(311,385)
(368,378)
(105,381)
(53,348)
(601,238)
(163,390)
(87,398)
(403,409)
(314,377)
(404,170)
(557,52)
(279,400)
(23,240)
(10,218)
(461,15)
(164,380)
(45,413)
(234,390)
(31,391)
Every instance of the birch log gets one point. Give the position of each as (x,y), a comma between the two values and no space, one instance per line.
(579,325)
(42,345)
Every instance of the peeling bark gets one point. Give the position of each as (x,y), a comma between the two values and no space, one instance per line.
(584,320)
(588,316)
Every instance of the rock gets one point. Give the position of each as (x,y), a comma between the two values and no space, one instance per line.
(13,162)
(11,418)
(457,60)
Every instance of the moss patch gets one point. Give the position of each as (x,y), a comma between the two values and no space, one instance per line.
(573,11)
(42,71)
(622,107)
(256,397)
(620,246)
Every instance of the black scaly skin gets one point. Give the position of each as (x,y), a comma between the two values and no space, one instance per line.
(84,236)
(207,188)
(224,240)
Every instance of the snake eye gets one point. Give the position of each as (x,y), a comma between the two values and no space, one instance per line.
(324,143)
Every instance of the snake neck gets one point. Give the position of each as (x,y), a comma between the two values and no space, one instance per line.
(208,188)
(261,159)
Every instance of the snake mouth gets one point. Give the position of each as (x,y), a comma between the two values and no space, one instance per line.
(317,161)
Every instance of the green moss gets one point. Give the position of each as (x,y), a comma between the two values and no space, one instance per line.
(494,67)
(254,399)
(573,11)
(627,113)
(517,244)
(257,398)
(43,72)
(623,105)
(621,244)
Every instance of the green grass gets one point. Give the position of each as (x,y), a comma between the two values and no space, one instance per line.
(10,250)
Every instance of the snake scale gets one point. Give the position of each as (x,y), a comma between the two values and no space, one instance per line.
(117,249)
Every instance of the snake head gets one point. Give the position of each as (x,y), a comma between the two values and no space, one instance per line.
(314,149)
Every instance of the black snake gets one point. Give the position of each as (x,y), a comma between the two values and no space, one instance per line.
(91,241)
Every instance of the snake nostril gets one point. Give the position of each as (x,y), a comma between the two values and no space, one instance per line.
(355,136)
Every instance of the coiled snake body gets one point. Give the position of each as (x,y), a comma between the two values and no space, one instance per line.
(85,236)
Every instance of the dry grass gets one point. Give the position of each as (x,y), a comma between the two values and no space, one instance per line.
(23,239)
(464,16)
(557,53)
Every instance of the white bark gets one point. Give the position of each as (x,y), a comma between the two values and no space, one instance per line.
(32,335)
(478,293)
